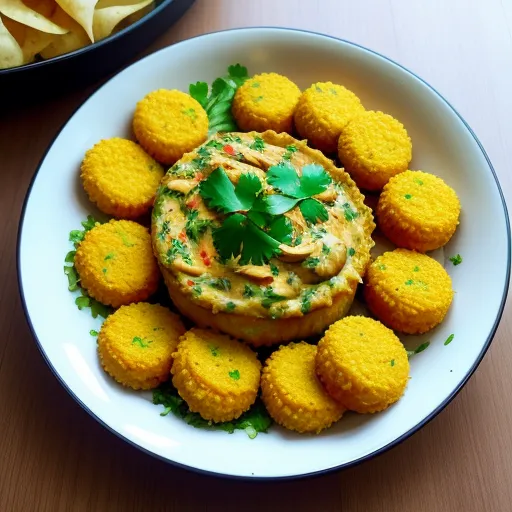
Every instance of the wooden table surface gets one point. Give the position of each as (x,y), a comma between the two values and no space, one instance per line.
(54,456)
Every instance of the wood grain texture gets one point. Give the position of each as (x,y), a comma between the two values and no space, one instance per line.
(54,457)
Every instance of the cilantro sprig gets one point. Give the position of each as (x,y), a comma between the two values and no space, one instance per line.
(217,101)
(254,421)
(83,300)
(247,232)
(298,190)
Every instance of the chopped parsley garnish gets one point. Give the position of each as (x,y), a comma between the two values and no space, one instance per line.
(291,278)
(392,362)
(271,297)
(305,304)
(181,171)
(351,251)
(166,229)
(178,248)
(350,214)
(194,227)
(290,150)
(409,282)
(214,144)
(92,332)
(217,101)
(407,196)
(311,262)
(382,267)
(449,339)
(418,349)
(230,306)
(197,290)
(214,351)
(325,249)
(258,144)
(141,342)
(109,256)
(416,269)
(124,238)
(274,270)
(254,421)
(456,260)
(234,374)
(251,290)
(220,283)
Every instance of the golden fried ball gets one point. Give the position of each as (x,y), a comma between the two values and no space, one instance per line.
(408,291)
(323,112)
(216,375)
(418,211)
(266,102)
(169,123)
(136,343)
(374,147)
(292,393)
(115,263)
(362,364)
(120,177)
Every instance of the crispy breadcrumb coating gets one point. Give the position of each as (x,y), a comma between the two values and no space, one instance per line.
(120,177)
(136,343)
(266,102)
(418,211)
(216,375)
(374,147)
(116,264)
(408,291)
(362,364)
(292,393)
(169,123)
(323,112)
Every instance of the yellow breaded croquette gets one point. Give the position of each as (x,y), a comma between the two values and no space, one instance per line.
(374,147)
(292,393)
(215,374)
(169,123)
(116,264)
(362,364)
(418,211)
(323,112)
(266,102)
(120,177)
(136,343)
(408,291)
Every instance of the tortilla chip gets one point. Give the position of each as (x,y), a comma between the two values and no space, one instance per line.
(11,54)
(17,30)
(18,11)
(106,19)
(35,42)
(44,7)
(81,11)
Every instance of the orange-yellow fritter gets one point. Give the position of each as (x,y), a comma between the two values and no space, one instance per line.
(323,112)
(116,264)
(418,211)
(374,147)
(292,393)
(362,364)
(136,343)
(266,102)
(216,375)
(408,291)
(120,177)
(169,123)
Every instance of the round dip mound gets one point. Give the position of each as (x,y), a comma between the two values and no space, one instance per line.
(261,237)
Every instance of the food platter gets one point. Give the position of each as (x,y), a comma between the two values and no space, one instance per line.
(442,141)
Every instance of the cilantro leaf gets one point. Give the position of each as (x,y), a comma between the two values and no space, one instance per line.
(199,91)
(284,177)
(418,349)
(217,103)
(238,235)
(456,260)
(276,204)
(194,227)
(281,229)
(218,191)
(313,211)
(314,180)
(271,297)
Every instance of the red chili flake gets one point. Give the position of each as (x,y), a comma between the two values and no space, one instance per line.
(182,236)
(206,259)
(190,283)
(229,150)
(193,203)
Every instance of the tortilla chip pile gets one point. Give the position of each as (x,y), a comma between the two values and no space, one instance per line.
(41,29)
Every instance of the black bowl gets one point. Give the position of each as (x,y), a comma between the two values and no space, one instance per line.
(87,65)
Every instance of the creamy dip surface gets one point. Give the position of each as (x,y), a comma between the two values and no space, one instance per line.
(320,261)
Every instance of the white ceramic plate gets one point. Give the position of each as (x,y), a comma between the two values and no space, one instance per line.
(442,144)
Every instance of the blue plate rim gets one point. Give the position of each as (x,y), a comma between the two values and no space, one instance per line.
(312,474)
